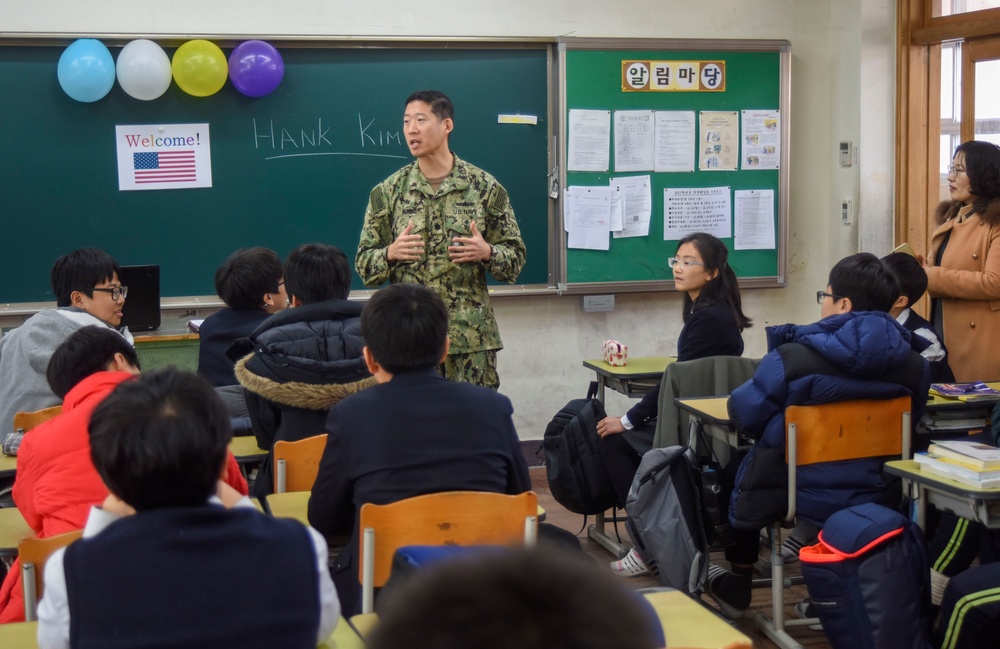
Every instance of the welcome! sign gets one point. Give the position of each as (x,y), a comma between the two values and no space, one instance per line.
(164,156)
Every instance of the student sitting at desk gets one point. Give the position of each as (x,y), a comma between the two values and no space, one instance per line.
(306,358)
(87,290)
(250,283)
(162,562)
(416,432)
(713,319)
(912,286)
(56,482)
(856,351)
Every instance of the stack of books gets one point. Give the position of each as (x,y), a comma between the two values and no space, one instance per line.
(974,391)
(970,463)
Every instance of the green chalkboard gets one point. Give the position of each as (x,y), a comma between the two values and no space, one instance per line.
(756,78)
(292,167)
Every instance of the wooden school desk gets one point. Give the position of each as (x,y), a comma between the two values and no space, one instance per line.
(633,380)
(24,635)
(948,418)
(966,501)
(636,378)
(162,349)
(13,528)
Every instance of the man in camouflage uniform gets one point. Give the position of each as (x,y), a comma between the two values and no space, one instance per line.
(444,223)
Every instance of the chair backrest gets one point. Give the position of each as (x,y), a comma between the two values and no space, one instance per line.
(28,420)
(446,518)
(296,463)
(714,376)
(845,430)
(33,552)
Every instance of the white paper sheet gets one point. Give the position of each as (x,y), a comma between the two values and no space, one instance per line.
(696,209)
(589,140)
(720,147)
(587,216)
(675,141)
(636,205)
(753,219)
(761,139)
(634,131)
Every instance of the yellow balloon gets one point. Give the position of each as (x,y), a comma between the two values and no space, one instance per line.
(200,68)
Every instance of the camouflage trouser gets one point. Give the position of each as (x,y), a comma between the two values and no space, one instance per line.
(478,367)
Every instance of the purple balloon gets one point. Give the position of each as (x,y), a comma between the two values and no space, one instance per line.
(255,68)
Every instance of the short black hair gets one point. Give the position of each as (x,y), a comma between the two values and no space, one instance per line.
(405,327)
(910,275)
(161,440)
(315,272)
(246,275)
(87,351)
(81,270)
(440,105)
(529,599)
(866,281)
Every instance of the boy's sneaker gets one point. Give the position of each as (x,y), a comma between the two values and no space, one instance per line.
(631,565)
(731,592)
(805,610)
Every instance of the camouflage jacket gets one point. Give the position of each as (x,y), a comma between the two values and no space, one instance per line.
(467,194)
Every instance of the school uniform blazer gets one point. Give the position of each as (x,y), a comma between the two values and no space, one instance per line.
(419,433)
(967,283)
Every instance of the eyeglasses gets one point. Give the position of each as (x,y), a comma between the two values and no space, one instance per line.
(822,294)
(674,262)
(117,292)
(952,169)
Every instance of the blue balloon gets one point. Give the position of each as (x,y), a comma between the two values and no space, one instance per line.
(86,70)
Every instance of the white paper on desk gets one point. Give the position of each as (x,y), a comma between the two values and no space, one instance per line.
(636,205)
(753,217)
(589,140)
(675,141)
(696,209)
(587,216)
(634,140)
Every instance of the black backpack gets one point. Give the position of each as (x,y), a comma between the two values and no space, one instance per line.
(577,476)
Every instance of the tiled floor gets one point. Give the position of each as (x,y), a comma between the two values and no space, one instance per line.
(557,515)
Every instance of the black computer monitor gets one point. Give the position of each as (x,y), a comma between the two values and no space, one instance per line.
(142,306)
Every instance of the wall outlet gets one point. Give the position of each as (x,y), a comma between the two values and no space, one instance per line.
(846,211)
(598,303)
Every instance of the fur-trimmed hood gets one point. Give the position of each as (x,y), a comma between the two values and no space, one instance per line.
(298,394)
(948,209)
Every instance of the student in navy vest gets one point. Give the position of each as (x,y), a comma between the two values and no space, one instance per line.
(170,574)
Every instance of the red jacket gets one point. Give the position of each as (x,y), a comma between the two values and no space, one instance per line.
(57,484)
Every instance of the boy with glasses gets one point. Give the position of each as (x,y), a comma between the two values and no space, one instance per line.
(88,292)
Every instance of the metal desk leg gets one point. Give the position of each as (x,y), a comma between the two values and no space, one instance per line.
(599,533)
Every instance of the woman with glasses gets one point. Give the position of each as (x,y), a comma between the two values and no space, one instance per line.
(963,267)
(713,321)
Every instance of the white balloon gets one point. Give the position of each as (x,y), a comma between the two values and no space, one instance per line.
(143,70)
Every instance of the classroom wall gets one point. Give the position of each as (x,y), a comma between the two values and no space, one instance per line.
(842,88)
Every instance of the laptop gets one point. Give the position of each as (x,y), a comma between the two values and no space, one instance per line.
(142,306)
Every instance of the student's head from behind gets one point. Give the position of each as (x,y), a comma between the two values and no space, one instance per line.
(860,282)
(529,599)
(910,276)
(87,279)
(701,270)
(161,440)
(315,272)
(88,351)
(251,278)
(405,327)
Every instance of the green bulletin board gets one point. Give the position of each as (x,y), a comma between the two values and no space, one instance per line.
(757,77)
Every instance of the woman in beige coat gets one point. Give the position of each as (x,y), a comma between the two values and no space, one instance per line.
(963,268)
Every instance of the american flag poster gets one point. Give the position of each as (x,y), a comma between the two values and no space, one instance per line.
(164,156)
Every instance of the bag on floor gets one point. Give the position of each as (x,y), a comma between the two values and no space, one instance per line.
(869,580)
(664,518)
(577,476)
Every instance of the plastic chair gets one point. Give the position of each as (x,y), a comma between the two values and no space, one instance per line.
(446,518)
(34,552)
(27,420)
(843,430)
(296,463)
